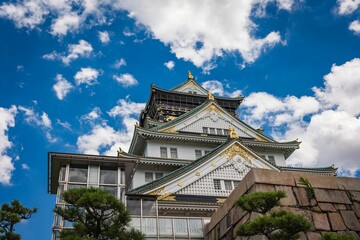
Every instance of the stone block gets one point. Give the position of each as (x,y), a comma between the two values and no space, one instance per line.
(238,192)
(298,211)
(350,220)
(301,196)
(327,207)
(321,221)
(331,196)
(273,177)
(261,188)
(223,227)
(356,208)
(355,196)
(237,214)
(352,233)
(317,181)
(290,199)
(316,209)
(352,184)
(340,206)
(313,235)
(302,236)
(336,222)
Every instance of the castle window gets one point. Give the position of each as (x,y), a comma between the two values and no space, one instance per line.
(198,154)
(212,130)
(217,184)
(271,159)
(149,177)
(108,175)
(206,152)
(228,185)
(205,130)
(226,132)
(173,153)
(219,131)
(78,173)
(163,152)
(159,175)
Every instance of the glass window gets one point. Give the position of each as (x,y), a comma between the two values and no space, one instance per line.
(180,226)
(78,173)
(135,223)
(134,205)
(212,130)
(163,152)
(149,225)
(75,186)
(226,132)
(62,172)
(198,154)
(57,220)
(108,175)
(159,175)
(149,207)
(195,227)
(207,152)
(205,130)
(173,153)
(217,184)
(219,131)
(110,189)
(122,176)
(228,185)
(60,193)
(165,226)
(149,177)
(271,159)
(93,174)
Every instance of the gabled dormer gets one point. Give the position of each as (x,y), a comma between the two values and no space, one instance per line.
(190,86)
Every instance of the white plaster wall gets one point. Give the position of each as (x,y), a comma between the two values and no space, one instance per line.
(139,176)
(184,150)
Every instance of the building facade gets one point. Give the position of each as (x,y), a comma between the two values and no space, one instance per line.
(188,152)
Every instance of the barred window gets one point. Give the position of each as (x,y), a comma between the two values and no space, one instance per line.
(205,130)
(173,153)
(159,175)
(149,177)
(217,184)
(212,130)
(219,131)
(228,185)
(271,159)
(198,154)
(163,152)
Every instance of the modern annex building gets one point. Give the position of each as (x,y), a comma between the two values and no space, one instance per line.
(188,152)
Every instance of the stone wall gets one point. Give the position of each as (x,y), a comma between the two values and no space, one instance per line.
(335,207)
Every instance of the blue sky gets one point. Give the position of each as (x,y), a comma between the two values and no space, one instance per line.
(74,76)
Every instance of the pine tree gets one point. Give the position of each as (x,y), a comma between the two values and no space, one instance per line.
(275,225)
(11,214)
(95,214)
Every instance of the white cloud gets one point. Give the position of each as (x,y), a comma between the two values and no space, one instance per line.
(24,166)
(62,87)
(105,139)
(170,65)
(355,26)
(104,37)
(203,33)
(86,76)
(26,14)
(74,51)
(7,120)
(65,124)
(119,63)
(216,87)
(64,24)
(346,7)
(327,123)
(126,80)
(342,87)
(46,120)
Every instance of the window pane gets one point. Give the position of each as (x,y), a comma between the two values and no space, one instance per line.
(135,223)
(205,130)
(271,159)
(195,227)
(149,207)
(217,184)
(198,154)
(180,226)
(226,132)
(206,152)
(212,130)
(62,173)
(149,177)
(165,225)
(228,185)
(122,176)
(78,173)
(159,175)
(74,186)
(93,174)
(149,225)
(219,131)
(134,205)
(163,152)
(173,153)
(110,189)
(60,193)
(108,175)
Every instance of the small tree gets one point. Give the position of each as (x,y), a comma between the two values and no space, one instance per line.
(96,214)
(275,225)
(11,215)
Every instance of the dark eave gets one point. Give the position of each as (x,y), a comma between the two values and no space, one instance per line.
(55,159)
(316,170)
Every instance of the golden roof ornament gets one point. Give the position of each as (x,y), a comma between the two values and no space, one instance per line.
(232,133)
(190,76)
(210,96)
(120,151)
(137,124)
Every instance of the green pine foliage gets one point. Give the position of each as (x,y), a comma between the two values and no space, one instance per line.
(96,214)
(275,225)
(260,202)
(336,236)
(11,214)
